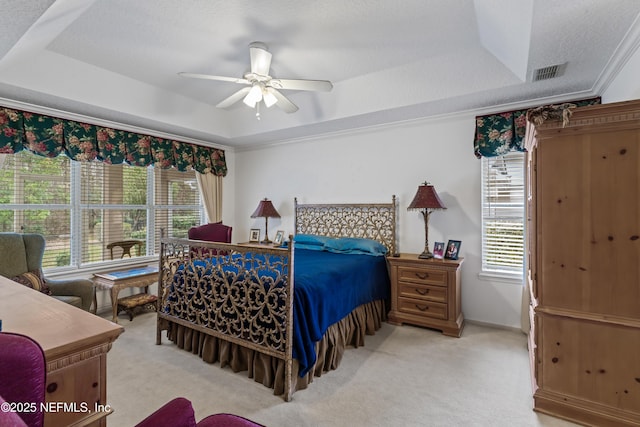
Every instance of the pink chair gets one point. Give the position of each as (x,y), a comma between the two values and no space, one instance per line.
(179,413)
(23,376)
(216,232)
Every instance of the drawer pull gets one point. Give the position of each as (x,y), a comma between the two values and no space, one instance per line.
(422,307)
(422,291)
(52,387)
(422,276)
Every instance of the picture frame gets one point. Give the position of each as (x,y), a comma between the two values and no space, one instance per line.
(438,250)
(453,249)
(254,235)
(277,241)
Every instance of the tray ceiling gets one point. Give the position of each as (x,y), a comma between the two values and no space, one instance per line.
(117,60)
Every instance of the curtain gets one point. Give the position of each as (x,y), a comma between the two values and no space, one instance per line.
(162,152)
(210,187)
(11,131)
(81,141)
(51,136)
(498,134)
(43,135)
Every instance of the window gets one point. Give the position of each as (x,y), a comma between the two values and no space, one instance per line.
(81,207)
(503,214)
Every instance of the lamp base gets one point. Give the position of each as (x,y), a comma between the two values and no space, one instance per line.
(266,241)
(426,254)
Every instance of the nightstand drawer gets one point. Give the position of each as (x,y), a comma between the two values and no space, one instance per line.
(422,308)
(422,275)
(426,292)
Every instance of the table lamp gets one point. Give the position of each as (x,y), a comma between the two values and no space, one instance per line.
(426,200)
(265,209)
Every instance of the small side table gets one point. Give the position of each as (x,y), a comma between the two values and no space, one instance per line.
(426,292)
(115,281)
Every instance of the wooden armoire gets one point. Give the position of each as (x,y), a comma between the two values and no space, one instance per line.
(583,257)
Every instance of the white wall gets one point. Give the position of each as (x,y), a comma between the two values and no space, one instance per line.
(370,166)
(626,85)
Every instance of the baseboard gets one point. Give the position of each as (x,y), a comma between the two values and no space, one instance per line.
(494,325)
(582,411)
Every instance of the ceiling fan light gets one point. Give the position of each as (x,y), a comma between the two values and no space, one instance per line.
(248,102)
(269,99)
(254,96)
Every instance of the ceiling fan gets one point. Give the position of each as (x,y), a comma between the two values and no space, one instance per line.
(260,86)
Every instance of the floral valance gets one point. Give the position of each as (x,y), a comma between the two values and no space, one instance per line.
(498,134)
(50,136)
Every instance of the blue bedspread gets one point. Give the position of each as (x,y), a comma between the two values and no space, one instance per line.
(327,287)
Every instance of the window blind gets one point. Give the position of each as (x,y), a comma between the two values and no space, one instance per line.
(503,204)
(81,207)
(113,206)
(178,205)
(35,198)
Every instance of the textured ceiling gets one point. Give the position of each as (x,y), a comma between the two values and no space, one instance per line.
(117,60)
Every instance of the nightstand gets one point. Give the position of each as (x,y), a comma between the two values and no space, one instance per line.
(426,292)
(258,245)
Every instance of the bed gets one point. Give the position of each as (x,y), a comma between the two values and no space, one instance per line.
(284,315)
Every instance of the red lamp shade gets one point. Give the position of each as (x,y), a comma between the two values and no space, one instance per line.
(265,210)
(427,200)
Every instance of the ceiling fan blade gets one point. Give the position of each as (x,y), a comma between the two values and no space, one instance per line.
(260,58)
(312,85)
(283,102)
(235,97)
(210,77)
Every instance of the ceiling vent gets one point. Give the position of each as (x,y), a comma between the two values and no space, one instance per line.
(549,72)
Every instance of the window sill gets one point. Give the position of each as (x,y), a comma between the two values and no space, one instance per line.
(87,271)
(494,276)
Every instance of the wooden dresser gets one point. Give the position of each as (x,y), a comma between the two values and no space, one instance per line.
(426,292)
(583,253)
(75,345)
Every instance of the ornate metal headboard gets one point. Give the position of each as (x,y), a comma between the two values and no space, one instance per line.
(372,221)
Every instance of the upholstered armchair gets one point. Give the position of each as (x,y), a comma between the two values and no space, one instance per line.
(179,412)
(215,232)
(22,379)
(21,261)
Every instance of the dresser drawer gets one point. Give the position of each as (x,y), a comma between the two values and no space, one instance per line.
(78,385)
(422,308)
(422,275)
(423,292)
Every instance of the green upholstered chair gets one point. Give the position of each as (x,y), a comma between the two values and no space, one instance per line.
(21,254)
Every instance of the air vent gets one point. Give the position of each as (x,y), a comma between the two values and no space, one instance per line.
(549,72)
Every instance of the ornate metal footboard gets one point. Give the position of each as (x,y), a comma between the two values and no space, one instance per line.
(238,294)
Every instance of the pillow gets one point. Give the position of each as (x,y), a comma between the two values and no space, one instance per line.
(356,245)
(310,239)
(34,280)
(311,247)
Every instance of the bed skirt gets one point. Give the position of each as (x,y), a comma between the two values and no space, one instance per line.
(270,371)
